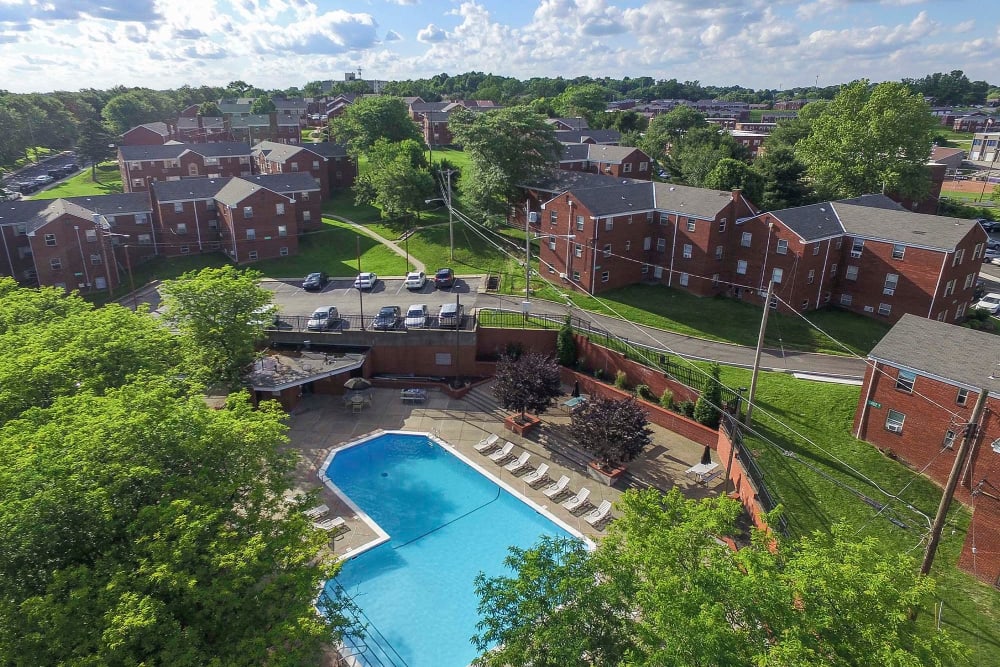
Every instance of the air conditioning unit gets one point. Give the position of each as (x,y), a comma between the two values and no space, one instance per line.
(869,309)
(562,276)
(532,216)
(888,291)
(895,428)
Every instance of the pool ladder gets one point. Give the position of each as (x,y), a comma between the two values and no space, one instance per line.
(366,645)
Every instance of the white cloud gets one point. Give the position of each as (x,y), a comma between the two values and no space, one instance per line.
(431,34)
(330,33)
(392,36)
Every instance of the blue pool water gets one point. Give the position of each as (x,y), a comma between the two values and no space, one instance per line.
(447,523)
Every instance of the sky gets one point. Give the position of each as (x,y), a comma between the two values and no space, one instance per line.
(72,44)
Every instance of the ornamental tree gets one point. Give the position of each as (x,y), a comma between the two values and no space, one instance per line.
(614,431)
(528,383)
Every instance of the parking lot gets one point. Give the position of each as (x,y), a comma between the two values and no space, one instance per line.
(38,176)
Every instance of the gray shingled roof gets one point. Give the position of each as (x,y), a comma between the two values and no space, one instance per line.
(812,222)
(577,136)
(963,356)
(236,190)
(117,204)
(602,153)
(616,199)
(175,150)
(34,214)
(574,153)
(252,120)
(281,152)
(158,126)
(327,149)
(686,200)
(189,123)
(285,183)
(901,226)
(561,180)
(187,189)
(20,211)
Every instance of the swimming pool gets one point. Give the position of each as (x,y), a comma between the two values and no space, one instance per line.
(445,522)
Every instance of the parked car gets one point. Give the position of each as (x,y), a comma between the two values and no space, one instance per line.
(8,195)
(451,315)
(988,225)
(315,281)
(415,280)
(323,318)
(387,319)
(265,316)
(416,316)
(365,281)
(444,278)
(44,179)
(990,302)
(991,255)
(27,187)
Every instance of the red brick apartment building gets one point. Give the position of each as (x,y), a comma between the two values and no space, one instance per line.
(148,134)
(141,166)
(252,218)
(922,383)
(78,243)
(618,161)
(328,163)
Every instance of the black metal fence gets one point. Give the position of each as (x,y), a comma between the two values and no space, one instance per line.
(749,462)
(352,322)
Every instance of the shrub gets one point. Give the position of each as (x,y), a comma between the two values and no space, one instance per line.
(621,380)
(686,408)
(667,399)
(644,392)
(528,383)
(566,345)
(614,431)
(598,373)
(706,410)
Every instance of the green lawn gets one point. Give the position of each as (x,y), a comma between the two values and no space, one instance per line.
(334,249)
(813,501)
(108,182)
(732,321)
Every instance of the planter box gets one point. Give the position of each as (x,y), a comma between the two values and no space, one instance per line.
(606,477)
(511,424)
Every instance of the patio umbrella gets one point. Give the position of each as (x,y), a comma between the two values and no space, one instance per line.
(706,456)
(576,389)
(356,384)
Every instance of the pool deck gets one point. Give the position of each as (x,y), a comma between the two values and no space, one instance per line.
(321,423)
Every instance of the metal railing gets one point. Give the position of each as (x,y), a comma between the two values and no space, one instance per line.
(352,322)
(749,463)
(361,639)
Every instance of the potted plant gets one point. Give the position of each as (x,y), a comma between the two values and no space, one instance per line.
(527,383)
(614,432)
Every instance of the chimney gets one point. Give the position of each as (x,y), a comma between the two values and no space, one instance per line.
(736,195)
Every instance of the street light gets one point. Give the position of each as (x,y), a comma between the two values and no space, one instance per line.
(528,238)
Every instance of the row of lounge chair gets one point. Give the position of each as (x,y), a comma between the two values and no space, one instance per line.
(321,521)
(557,490)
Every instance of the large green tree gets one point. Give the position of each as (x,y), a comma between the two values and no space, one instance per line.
(870,139)
(666,129)
(95,144)
(372,118)
(661,591)
(783,179)
(728,174)
(214,308)
(262,105)
(397,180)
(587,100)
(507,148)
(699,151)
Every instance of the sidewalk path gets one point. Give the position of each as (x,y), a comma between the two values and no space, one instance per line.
(701,349)
(392,245)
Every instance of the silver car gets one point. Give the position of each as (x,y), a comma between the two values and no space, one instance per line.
(323,318)
(416,316)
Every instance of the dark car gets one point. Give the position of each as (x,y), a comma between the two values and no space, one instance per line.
(27,187)
(987,225)
(388,318)
(315,281)
(444,278)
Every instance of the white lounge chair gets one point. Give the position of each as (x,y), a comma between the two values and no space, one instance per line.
(578,501)
(541,474)
(488,443)
(557,488)
(330,525)
(503,453)
(317,512)
(519,465)
(598,516)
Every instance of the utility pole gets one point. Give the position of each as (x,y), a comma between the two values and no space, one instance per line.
(756,356)
(361,295)
(451,220)
(949,489)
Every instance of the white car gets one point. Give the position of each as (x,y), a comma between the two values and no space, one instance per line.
(416,316)
(991,255)
(265,316)
(990,302)
(365,281)
(415,280)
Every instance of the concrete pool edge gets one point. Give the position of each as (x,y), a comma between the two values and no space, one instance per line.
(382,536)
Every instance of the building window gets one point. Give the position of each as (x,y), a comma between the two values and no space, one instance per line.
(283,251)
(833,270)
(949,288)
(949,439)
(826,297)
(607,250)
(942,316)
(135,166)
(905,380)
(178,207)
(628,245)
(21,230)
(552,243)
(627,168)
(664,218)
(643,166)
(840,244)
(182,228)
(960,311)
(144,239)
(852,272)
(605,277)
(741,267)
(782,247)
(315,164)
(50,239)
(969,280)
(718,252)
(55,263)
(282,230)
(185,249)
(645,269)
(647,243)
(578,249)
(137,183)
(857,247)
(745,239)
(891,280)
(251,234)
(553,217)
(898,250)
(963,397)
(95,259)
(690,225)
(959,256)
(811,277)
(304,196)
(248,211)
(715,280)
(815,249)
(609,223)
(279,208)
(777,274)
(722,225)
(687,251)
(846,299)
(977,251)
(306,216)
(576,276)
(213,224)
(683,280)
(894,422)
(252,256)
(805,304)
(649,216)
(661,244)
